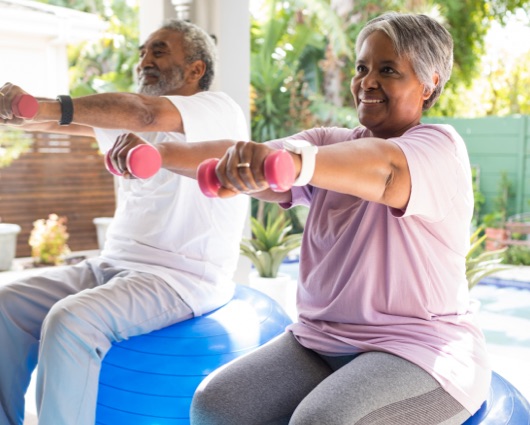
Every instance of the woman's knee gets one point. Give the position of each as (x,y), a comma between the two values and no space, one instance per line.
(214,400)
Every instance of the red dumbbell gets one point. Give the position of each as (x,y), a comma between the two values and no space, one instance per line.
(143,161)
(278,168)
(25,106)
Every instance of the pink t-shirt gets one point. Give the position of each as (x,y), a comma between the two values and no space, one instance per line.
(377,279)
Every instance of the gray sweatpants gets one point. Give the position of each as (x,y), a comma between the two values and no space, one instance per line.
(67,318)
(285,383)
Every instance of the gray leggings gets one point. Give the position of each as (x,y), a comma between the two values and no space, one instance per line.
(285,383)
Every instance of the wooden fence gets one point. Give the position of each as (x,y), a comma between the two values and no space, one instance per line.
(60,174)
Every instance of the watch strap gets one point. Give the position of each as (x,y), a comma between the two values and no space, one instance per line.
(308,152)
(67,109)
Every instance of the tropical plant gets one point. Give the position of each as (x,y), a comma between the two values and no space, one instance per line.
(106,65)
(288,46)
(480,263)
(270,244)
(48,240)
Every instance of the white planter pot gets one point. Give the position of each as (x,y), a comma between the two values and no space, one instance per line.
(282,289)
(102,225)
(8,244)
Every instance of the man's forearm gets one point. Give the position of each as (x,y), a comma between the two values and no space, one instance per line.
(54,127)
(127,111)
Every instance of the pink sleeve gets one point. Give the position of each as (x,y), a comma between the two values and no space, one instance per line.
(438,166)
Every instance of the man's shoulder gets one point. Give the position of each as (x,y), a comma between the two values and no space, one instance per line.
(211,98)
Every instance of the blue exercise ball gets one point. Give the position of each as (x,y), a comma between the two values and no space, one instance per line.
(150,379)
(505,406)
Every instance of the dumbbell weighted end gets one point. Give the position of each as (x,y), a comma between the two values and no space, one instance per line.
(278,168)
(143,162)
(25,106)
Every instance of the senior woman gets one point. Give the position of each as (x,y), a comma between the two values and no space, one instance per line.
(386,331)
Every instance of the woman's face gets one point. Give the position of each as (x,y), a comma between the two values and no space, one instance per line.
(387,93)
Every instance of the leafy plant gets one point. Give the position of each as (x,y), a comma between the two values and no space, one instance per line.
(494,220)
(518,255)
(480,263)
(48,240)
(270,244)
(105,65)
(497,218)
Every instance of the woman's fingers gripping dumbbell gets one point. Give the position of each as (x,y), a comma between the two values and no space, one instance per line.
(241,167)
(247,168)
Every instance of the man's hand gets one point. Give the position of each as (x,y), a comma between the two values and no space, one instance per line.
(8,95)
(121,160)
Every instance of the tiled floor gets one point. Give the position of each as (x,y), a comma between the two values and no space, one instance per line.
(504,316)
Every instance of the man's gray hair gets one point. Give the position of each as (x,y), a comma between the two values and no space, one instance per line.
(198,45)
(426,43)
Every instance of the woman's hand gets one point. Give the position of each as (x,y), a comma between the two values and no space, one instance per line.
(241,169)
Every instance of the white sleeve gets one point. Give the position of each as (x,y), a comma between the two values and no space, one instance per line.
(211,116)
(106,138)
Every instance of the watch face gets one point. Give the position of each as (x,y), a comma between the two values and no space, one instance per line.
(298,143)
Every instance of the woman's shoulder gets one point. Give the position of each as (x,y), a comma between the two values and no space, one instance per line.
(446,130)
(331,135)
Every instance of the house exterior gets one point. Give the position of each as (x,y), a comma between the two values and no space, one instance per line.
(33,44)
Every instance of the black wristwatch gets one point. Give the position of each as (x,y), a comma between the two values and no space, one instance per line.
(67,109)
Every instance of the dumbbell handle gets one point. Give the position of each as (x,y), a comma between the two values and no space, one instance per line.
(25,106)
(143,162)
(278,168)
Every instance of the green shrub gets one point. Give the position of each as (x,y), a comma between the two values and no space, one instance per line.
(517,255)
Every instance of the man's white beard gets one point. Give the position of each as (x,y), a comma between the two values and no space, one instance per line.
(166,83)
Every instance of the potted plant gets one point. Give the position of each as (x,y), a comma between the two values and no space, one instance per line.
(8,244)
(493,225)
(48,241)
(269,246)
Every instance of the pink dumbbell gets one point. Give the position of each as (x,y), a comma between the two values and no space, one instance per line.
(278,168)
(143,161)
(25,106)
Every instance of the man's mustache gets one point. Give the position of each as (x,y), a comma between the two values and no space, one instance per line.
(149,73)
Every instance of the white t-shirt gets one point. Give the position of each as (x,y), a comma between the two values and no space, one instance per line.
(164,225)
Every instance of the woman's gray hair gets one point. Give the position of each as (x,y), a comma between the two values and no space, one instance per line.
(198,45)
(426,43)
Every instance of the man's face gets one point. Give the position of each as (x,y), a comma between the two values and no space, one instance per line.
(161,69)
